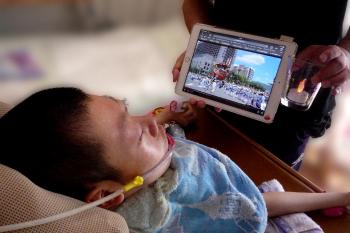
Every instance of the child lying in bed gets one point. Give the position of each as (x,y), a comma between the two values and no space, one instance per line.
(88,146)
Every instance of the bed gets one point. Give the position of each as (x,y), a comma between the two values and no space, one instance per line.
(258,163)
(213,131)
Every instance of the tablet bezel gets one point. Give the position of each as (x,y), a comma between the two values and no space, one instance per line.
(278,86)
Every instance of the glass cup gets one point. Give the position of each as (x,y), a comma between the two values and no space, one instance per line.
(300,92)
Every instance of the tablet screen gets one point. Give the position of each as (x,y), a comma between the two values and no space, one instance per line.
(235,71)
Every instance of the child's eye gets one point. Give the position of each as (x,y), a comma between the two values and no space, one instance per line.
(125,103)
(140,138)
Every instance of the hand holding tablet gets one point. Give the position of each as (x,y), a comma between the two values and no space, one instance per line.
(234,71)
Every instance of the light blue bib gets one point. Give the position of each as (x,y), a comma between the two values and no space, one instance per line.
(202,191)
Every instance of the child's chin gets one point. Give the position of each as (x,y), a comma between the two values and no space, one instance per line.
(157,171)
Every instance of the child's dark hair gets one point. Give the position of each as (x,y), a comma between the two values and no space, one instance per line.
(46,138)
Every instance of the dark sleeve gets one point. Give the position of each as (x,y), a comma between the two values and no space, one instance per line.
(211,11)
(313,122)
(319,117)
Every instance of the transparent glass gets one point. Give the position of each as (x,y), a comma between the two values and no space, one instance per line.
(300,92)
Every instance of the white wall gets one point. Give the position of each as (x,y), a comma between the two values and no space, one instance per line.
(90,14)
(132,11)
(42,18)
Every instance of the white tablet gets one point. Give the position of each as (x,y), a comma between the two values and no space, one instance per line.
(237,72)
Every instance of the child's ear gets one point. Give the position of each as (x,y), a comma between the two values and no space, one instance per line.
(102,189)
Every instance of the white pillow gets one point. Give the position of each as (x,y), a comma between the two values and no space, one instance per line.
(4,108)
(21,201)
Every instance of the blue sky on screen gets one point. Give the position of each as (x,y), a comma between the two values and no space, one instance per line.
(265,67)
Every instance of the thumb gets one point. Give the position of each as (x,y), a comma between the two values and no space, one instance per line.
(310,53)
(177,67)
(218,109)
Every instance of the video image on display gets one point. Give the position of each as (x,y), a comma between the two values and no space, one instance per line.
(236,77)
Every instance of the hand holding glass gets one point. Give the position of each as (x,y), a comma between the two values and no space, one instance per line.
(300,92)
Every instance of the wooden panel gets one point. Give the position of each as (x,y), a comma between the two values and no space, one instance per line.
(259,164)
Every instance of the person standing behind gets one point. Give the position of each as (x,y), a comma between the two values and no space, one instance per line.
(316,27)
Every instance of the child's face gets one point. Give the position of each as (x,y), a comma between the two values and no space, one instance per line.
(133,144)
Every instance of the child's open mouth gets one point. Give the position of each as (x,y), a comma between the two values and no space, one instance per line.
(171,141)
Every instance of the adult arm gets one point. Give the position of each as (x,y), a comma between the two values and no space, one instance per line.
(345,42)
(195,11)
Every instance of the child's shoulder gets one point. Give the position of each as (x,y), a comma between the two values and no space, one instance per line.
(190,150)
(185,147)
(185,144)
